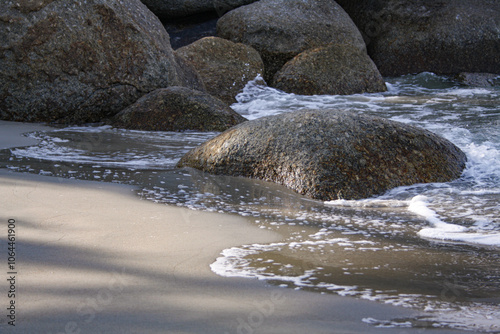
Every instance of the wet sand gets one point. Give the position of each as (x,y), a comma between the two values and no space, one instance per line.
(93,258)
(11,133)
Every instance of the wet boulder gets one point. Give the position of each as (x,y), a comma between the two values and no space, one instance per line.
(444,37)
(478,79)
(336,69)
(330,154)
(177,109)
(68,62)
(281,29)
(225,67)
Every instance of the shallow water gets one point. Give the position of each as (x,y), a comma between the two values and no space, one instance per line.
(432,247)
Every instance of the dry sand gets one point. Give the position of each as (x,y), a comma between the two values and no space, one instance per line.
(93,258)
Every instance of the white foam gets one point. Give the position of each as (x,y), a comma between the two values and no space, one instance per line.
(440,230)
(50,152)
(232,263)
(258,100)
(465,92)
(476,317)
(317,242)
(488,239)
(483,162)
(85,129)
(481,192)
(387,323)
(369,203)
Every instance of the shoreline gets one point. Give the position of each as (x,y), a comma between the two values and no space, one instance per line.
(11,133)
(92,257)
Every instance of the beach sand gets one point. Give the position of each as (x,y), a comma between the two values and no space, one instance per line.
(94,258)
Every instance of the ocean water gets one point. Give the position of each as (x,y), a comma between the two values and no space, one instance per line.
(431,247)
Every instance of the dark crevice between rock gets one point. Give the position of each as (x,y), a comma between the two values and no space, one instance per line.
(190,29)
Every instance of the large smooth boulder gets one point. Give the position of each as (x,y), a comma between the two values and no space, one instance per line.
(281,29)
(336,69)
(177,109)
(330,154)
(224,67)
(69,62)
(444,37)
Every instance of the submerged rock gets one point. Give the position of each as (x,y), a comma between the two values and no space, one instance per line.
(330,154)
(281,29)
(177,109)
(225,67)
(479,79)
(68,62)
(336,69)
(444,37)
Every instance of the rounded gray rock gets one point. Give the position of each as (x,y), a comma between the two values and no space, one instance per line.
(69,62)
(224,67)
(336,69)
(177,109)
(281,29)
(330,154)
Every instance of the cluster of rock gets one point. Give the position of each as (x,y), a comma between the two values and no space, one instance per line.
(112,61)
(61,61)
(64,62)
(308,47)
